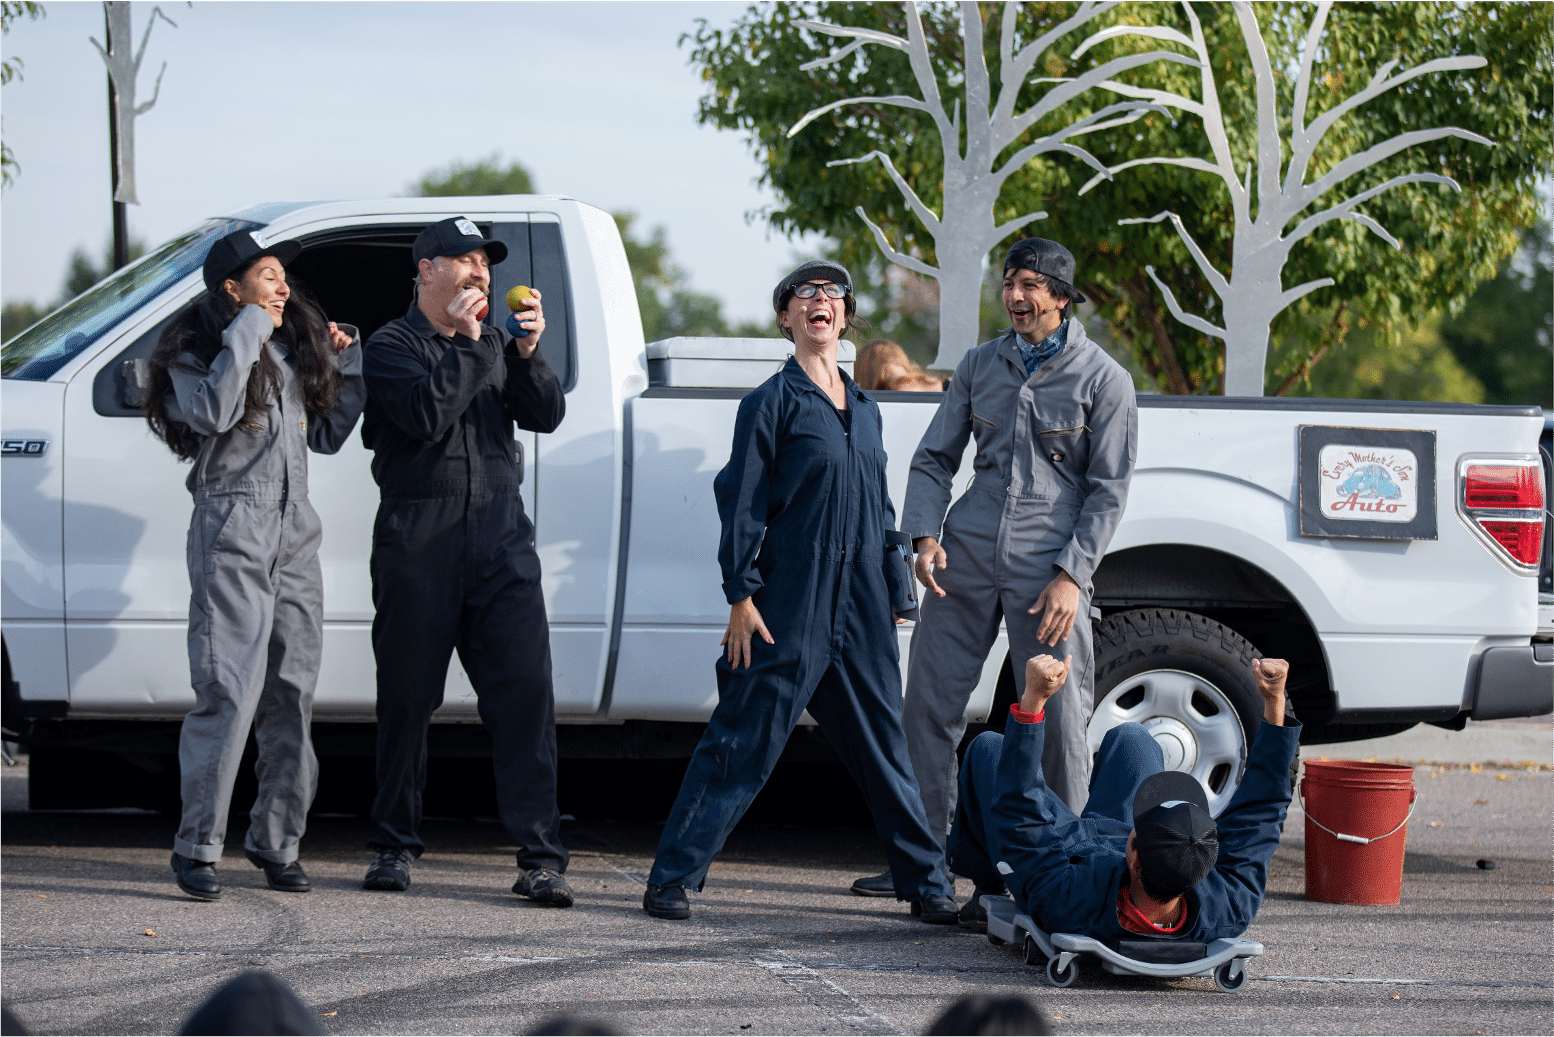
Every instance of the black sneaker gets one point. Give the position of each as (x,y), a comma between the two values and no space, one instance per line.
(666,901)
(196,878)
(544,886)
(935,910)
(390,870)
(875,886)
(288,878)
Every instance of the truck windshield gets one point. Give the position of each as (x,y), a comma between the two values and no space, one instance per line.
(57,339)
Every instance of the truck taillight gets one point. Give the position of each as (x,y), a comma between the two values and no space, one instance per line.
(1502,499)
(1520,539)
(1503,486)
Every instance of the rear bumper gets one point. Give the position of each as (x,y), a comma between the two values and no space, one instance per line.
(1514,681)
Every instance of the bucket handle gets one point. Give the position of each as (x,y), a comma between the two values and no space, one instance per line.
(1413,799)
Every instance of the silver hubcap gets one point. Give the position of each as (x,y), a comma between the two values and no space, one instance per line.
(1190,719)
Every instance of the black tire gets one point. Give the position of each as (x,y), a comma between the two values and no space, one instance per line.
(1033,956)
(1140,646)
(1223,980)
(996,941)
(1062,977)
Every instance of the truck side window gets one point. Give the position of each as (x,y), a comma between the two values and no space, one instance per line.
(535,257)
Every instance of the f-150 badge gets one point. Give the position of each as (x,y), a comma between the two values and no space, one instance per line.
(23,447)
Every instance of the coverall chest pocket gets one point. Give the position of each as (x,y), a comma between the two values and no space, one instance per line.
(1065,443)
(1056,456)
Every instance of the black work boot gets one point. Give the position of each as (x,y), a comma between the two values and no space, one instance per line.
(875,886)
(390,869)
(544,886)
(666,901)
(196,878)
(935,910)
(288,878)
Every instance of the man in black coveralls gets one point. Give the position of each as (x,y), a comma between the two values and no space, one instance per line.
(453,560)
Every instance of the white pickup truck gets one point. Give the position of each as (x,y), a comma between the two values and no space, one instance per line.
(1210,559)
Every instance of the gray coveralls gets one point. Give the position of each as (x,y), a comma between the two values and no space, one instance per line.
(1054,455)
(256,608)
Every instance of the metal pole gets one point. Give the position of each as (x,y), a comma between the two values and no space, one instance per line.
(120,215)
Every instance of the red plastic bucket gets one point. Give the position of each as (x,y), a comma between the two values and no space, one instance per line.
(1356,826)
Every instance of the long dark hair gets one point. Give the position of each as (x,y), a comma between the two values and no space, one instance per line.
(197,331)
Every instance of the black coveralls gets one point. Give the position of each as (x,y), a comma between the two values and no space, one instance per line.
(454,567)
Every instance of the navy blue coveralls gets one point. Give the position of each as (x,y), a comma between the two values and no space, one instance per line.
(1067,870)
(454,567)
(805,508)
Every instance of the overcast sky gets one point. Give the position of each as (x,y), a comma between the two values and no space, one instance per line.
(267,101)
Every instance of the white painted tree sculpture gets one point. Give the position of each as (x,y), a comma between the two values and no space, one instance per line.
(124,69)
(1254,294)
(965,232)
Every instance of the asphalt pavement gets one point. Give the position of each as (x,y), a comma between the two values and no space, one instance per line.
(97,939)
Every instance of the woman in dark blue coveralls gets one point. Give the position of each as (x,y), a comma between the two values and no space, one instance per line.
(805,513)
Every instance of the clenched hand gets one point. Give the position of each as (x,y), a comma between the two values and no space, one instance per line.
(1270,675)
(1044,678)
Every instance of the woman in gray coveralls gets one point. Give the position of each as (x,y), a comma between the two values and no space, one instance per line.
(805,515)
(243,383)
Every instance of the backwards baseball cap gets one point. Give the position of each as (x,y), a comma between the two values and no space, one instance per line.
(815,268)
(1174,836)
(1044,257)
(235,251)
(454,237)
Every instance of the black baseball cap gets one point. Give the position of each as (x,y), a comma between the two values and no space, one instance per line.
(235,251)
(1047,258)
(453,237)
(815,268)
(1176,839)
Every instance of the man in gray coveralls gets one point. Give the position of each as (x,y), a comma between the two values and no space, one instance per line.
(1056,425)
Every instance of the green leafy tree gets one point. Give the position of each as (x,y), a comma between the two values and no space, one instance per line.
(17,317)
(482,177)
(11,68)
(669,306)
(1502,336)
(1450,241)
(1415,364)
(81,272)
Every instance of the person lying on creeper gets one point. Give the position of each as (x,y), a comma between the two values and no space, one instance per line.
(1145,857)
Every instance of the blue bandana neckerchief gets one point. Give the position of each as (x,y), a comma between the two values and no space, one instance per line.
(1049,347)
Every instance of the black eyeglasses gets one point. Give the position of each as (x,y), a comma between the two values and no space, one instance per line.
(831,288)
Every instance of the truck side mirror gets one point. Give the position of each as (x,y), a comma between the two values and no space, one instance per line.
(134,382)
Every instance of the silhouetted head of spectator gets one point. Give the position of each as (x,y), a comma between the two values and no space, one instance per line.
(253,1003)
(9,1024)
(572,1026)
(990,1014)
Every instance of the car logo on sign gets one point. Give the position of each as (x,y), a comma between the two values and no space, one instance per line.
(23,447)
(1369,484)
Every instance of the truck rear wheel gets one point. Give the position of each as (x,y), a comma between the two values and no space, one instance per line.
(1188,680)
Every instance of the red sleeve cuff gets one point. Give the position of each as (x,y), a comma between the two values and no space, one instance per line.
(1026,718)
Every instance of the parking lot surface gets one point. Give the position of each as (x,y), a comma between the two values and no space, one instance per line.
(97,939)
